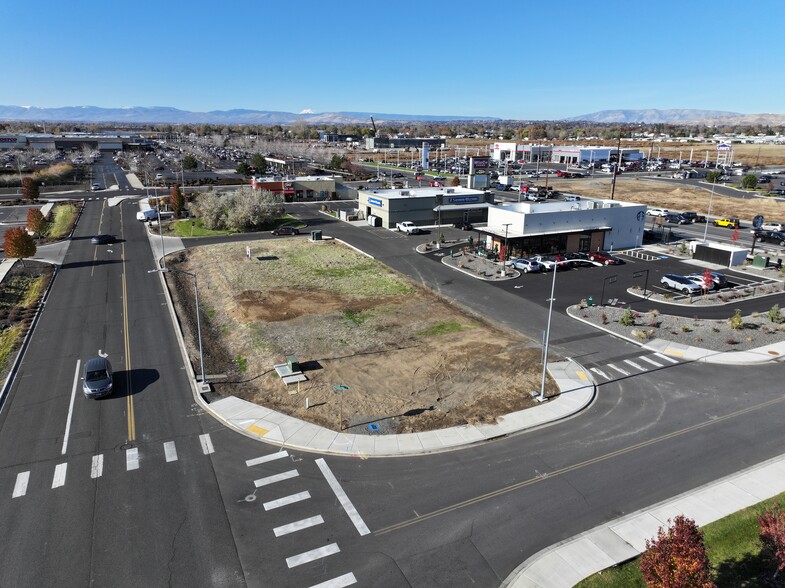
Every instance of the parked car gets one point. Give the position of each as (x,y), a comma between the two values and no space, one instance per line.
(718,280)
(572,198)
(439,178)
(286,230)
(604,257)
(728,222)
(681,283)
(581,259)
(657,211)
(464,226)
(549,262)
(97,377)
(527,265)
(676,218)
(102,239)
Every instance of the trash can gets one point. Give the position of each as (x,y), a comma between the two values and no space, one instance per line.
(590,301)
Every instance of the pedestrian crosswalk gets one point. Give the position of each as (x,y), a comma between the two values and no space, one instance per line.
(132,460)
(625,367)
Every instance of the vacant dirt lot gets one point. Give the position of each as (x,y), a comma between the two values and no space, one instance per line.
(411,360)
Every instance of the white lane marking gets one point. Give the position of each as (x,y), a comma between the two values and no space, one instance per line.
(342,497)
(170,451)
(132,459)
(276,478)
(97,469)
(207,444)
(621,371)
(339,582)
(291,499)
(298,525)
(71,408)
(635,365)
(314,554)
(651,361)
(266,458)
(59,477)
(600,372)
(20,488)
(670,359)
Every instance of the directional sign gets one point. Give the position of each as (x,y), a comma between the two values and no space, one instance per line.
(757,222)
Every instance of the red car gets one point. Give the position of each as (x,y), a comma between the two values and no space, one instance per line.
(604,258)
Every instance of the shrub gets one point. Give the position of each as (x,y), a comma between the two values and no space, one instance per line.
(685,329)
(604,318)
(654,312)
(772,535)
(730,341)
(775,315)
(627,318)
(676,557)
(736,322)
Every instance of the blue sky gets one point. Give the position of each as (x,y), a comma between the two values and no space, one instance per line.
(518,60)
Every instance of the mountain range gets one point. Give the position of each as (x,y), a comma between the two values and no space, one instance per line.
(679,115)
(167,114)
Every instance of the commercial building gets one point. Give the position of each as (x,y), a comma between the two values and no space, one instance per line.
(567,154)
(108,141)
(296,188)
(557,226)
(425,206)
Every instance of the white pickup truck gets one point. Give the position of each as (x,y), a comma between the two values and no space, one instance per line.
(408,227)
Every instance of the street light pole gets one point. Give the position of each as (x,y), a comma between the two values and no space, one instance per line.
(541,397)
(708,212)
(506,255)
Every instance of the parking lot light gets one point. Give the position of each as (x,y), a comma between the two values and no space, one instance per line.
(541,397)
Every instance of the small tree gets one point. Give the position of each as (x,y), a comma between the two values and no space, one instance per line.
(259,162)
(734,236)
(456,181)
(190,163)
(627,318)
(713,176)
(36,221)
(676,558)
(749,181)
(772,536)
(176,201)
(243,168)
(775,315)
(30,189)
(708,280)
(736,321)
(17,243)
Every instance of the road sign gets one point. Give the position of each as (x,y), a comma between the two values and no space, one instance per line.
(757,222)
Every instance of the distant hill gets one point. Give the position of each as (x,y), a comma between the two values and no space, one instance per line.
(652,115)
(169,115)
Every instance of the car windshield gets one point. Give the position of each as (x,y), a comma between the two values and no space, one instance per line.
(95,375)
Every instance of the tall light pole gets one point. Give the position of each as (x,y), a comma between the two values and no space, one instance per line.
(198,318)
(541,397)
(506,253)
(708,212)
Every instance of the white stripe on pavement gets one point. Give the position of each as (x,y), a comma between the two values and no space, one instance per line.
(298,525)
(621,371)
(132,459)
(170,451)
(600,372)
(266,458)
(20,488)
(339,582)
(70,408)
(343,498)
(651,361)
(59,477)
(97,468)
(207,444)
(635,365)
(276,478)
(665,357)
(291,499)
(314,554)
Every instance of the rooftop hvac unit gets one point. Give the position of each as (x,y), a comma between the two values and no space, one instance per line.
(451,190)
(405,193)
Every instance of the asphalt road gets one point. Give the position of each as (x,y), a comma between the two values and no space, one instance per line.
(186,508)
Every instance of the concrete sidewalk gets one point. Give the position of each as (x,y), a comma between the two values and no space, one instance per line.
(615,542)
(577,392)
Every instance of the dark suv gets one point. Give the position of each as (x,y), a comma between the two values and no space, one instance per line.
(286,230)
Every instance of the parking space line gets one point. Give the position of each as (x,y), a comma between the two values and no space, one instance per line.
(339,582)
(97,467)
(342,497)
(276,478)
(20,487)
(207,444)
(291,499)
(131,459)
(665,357)
(266,458)
(59,477)
(298,525)
(313,554)
(170,451)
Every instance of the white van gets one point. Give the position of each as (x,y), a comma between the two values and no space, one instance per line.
(147,215)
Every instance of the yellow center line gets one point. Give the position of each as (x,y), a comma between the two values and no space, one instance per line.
(571,468)
(95,252)
(127,342)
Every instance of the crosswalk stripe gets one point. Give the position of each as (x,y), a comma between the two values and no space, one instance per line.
(207,444)
(291,499)
(170,451)
(20,487)
(59,477)
(635,365)
(97,467)
(276,478)
(621,371)
(339,582)
(340,494)
(313,554)
(266,458)
(665,357)
(131,459)
(651,361)
(600,372)
(298,525)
